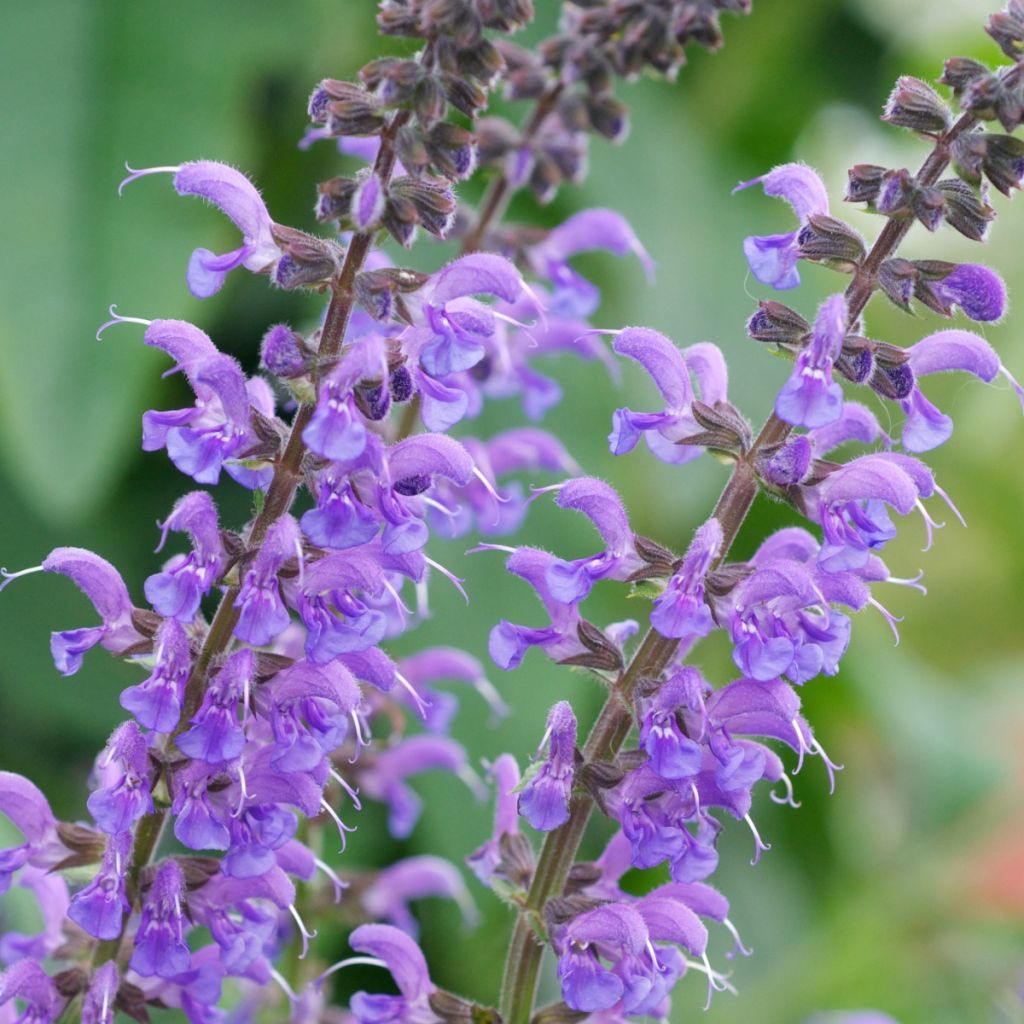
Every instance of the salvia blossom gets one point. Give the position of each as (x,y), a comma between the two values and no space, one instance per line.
(270,703)
(773,258)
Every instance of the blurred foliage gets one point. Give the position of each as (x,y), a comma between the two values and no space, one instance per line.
(904,889)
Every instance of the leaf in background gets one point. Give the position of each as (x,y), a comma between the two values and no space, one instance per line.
(154,84)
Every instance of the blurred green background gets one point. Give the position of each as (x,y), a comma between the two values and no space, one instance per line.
(904,890)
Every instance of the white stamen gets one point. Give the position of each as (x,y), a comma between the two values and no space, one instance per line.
(455,580)
(400,605)
(913,581)
(342,827)
(731,928)
(443,509)
(339,885)
(696,797)
(949,501)
(830,766)
(369,961)
(303,931)
(352,793)
(491,547)
(134,174)
(420,704)
(8,576)
(788,798)
(760,846)
(889,617)
(243,795)
(285,987)
(929,524)
(116,318)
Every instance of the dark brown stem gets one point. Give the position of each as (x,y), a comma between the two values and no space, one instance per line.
(560,847)
(499,193)
(279,499)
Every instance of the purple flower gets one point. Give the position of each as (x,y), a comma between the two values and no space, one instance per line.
(851,503)
(574,296)
(23,802)
(262,614)
(160,947)
(200,821)
(509,642)
(156,701)
(216,736)
(387,898)
(339,520)
(177,591)
(385,780)
(51,896)
(673,754)
(976,289)
(484,860)
(102,584)
(810,398)
(571,582)
(403,958)
(27,981)
(773,258)
(670,369)
(100,907)
(544,800)
(432,664)
(925,426)
(126,797)
(332,604)
(98,1004)
(450,327)
(235,196)
(680,611)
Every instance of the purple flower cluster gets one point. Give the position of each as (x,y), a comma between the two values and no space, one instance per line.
(270,698)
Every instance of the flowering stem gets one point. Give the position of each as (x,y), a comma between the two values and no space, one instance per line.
(500,191)
(615,721)
(279,499)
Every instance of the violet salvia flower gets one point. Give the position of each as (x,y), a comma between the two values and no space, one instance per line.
(125,796)
(926,427)
(156,701)
(680,611)
(397,952)
(262,613)
(100,907)
(160,947)
(232,193)
(544,800)
(773,258)
(102,584)
(486,860)
(387,898)
(216,735)
(671,370)
(28,982)
(573,296)
(570,582)
(28,809)
(177,591)
(810,398)
(98,1006)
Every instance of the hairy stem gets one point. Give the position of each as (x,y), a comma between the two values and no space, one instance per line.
(279,499)
(499,193)
(655,653)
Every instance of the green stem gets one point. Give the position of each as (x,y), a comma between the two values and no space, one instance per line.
(560,847)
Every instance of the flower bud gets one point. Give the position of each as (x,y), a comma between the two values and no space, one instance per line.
(776,322)
(394,80)
(431,200)
(896,193)
(401,385)
(307,260)
(964,211)
(281,352)
(916,105)
(784,465)
(1003,162)
(856,360)
(335,199)
(825,239)
(372,399)
(451,150)
(897,278)
(959,72)
(396,18)
(865,180)
(892,377)
(608,116)
(352,110)
(465,96)
(1007,29)
(367,204)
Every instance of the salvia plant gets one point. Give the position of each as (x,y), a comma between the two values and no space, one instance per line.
(267,705)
